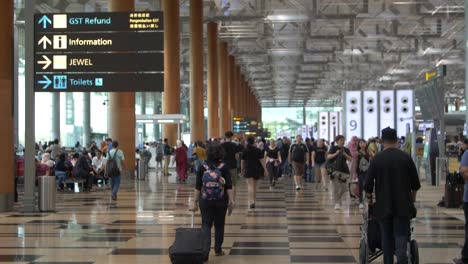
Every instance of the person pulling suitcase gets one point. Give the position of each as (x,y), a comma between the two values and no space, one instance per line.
(214,195)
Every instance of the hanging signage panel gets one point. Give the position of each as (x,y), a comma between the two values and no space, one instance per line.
(102,21)
(404,111)
(99,42)
(96,82)
(387,109)
(353,114)
(100,62)
(323,126)
(370,111)
(334,125)
(83,52)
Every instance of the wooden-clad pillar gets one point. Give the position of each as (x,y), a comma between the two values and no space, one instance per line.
(122,120)
(6,106)
(197,128)
(231,89)
(223,88)
(212,93)
(171,95)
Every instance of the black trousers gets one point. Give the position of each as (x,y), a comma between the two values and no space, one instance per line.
(465,246)
(214,212)
(272,172)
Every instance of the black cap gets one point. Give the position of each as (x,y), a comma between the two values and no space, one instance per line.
(389,134)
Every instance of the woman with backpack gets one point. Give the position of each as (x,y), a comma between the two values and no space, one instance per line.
(253,168)
(213,194)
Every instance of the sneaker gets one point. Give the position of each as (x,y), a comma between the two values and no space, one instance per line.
(220,253)
(114,197)
(252,206)
(361,206)
(337,206)
(274,183)
(298,187)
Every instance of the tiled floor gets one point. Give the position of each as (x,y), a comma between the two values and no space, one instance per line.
(286,227)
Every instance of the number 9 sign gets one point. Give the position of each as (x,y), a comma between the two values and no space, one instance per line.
(353,125)
(353,113)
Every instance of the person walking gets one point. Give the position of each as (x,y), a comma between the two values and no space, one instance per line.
(284,151)
(253,168)
(319,162)
(464,174)
(213,194)
(272,161)
(337,157)
(167,157)
(299,158)
(159,156)
(231,156)
(118,155)
(181,161)
(361,169)
(393,174)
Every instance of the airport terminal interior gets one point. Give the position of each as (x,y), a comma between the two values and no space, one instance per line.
(76,75)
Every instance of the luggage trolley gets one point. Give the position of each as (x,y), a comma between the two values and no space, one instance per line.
(370,247)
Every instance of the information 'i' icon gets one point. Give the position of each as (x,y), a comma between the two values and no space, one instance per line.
(60,42)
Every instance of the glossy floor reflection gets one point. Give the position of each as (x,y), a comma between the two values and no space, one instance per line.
(286,227)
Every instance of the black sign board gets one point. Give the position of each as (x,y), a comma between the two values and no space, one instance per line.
(95,52)
(100,62)
(92,22)
(99,82)
(99,42)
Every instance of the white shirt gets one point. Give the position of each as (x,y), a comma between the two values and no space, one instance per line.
(99,163)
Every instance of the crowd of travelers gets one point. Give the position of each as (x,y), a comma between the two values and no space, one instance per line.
(88,166)
(373,166)
(315,161)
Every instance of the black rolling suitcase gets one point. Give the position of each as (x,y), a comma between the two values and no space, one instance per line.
(454,188)
(190,246)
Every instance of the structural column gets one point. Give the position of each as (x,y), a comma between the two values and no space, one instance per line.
(197,128)
(156,103)
(212,94)
(86,119)
(231,89)
(143,112)
(466,68)
(55,116)
(223,88)
(238,91)
(171,96)
(122,106)
(6,106)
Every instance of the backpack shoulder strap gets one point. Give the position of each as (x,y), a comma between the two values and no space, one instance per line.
(221,165)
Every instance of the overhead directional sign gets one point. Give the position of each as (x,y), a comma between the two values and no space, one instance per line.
(123,41)
(101,62)
(96,82)
(114,21)
(112,52)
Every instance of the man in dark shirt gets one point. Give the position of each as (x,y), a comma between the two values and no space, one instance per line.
(167,157)
(396,182)
(231,156)
(338,156)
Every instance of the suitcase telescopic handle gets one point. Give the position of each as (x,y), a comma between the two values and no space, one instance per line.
(193,218)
